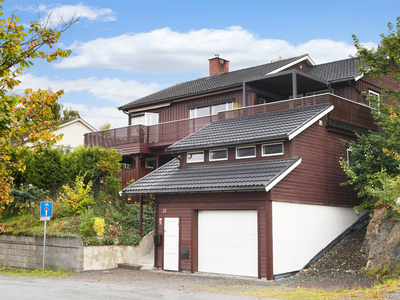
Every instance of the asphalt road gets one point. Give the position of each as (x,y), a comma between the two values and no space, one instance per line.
(121,285)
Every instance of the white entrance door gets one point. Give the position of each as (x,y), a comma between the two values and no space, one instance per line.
(227,242)
(171,244)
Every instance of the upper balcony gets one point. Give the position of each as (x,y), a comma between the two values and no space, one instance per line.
(141,138)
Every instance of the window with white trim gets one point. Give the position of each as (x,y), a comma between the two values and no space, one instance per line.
(220,154)
(195,157)
(350,158)
(246,152)
(221,107)
(210,109)
(373,94)
(145,119)
(272,149)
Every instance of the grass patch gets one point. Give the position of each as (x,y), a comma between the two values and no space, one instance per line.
(36,272)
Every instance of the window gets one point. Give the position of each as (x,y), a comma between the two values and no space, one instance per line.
(272,149)
(218,154)
(221,107)
(145,119)
(246,152)
(350,158)
(372,94)
(195,157)
(210,109)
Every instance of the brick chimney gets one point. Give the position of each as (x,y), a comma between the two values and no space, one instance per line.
(218,65)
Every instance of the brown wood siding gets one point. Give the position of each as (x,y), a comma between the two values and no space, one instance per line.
(185,206)
(299,67)
(179,110)
(317,179)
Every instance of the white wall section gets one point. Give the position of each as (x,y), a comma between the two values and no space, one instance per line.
(300,231)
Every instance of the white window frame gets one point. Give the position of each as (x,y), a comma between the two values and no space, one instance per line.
(226,107)
(217,159)
(194,161)
(272,154)
(240,157)
(371,92)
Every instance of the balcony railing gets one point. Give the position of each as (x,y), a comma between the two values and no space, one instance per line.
(163,134)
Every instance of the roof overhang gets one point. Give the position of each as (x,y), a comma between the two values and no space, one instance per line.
(305,58)
(282,81)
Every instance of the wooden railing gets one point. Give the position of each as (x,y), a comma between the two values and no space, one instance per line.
(167,133)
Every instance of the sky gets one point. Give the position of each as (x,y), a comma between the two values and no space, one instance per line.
(124,50)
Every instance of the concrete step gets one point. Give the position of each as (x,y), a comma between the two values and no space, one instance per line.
(130,266)
(147,266)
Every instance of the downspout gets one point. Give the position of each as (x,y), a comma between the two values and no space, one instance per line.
(129,117)
(361,94)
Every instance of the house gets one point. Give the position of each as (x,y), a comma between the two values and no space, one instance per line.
(247,175)
(73,132)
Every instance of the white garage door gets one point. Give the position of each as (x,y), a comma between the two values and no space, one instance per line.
(228,242)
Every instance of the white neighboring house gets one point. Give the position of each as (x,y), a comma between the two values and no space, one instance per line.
(73,132)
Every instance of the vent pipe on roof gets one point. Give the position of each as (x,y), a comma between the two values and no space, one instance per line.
(218,65)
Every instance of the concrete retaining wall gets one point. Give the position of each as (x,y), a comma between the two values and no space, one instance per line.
(69,253)
(27,252)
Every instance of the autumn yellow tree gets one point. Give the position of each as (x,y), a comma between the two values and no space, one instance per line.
(26,121)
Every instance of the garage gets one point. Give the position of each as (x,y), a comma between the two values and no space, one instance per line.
(228,242)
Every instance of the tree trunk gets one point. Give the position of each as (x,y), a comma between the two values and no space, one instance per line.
(31,208)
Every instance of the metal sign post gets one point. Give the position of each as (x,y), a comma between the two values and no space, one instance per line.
(46,211)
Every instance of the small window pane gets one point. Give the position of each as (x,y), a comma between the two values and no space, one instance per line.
(202,111)
(193,113)
(217,108)
(137,120)
(229,105)
(218,154)
(246,152)
(272,149)
(195,157)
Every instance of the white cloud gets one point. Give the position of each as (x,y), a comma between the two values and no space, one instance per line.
(166,51)
(55,14)
(112,89)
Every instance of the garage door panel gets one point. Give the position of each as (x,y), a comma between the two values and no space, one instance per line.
(231,239)
(228,242)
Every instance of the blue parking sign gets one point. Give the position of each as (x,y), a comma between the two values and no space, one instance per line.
(46,209)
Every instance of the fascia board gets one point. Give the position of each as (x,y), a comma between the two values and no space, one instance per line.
(283,175)
(305,58)
(310,122)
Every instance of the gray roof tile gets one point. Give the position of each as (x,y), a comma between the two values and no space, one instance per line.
(345,69)
(209,83)
(171,178)
(249,129)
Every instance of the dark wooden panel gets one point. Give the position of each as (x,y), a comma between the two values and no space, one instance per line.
(317,179)
(187,206)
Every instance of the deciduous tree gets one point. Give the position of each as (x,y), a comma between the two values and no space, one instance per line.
(375,158)
(25,118)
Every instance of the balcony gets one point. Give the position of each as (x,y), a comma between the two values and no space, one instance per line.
(141,138)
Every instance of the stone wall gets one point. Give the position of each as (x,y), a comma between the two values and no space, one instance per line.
(68,253)
(27,252)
